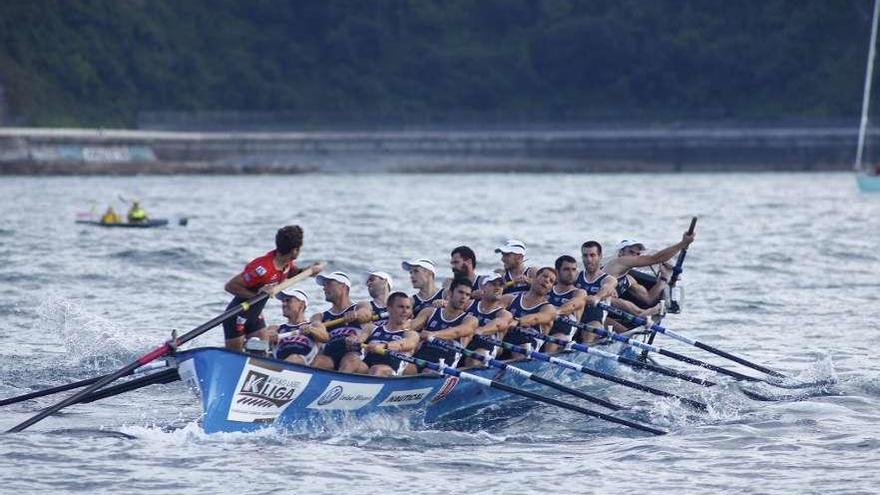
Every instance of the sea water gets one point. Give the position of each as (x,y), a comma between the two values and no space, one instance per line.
(785,270)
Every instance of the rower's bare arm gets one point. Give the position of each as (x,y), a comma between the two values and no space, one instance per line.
(464,329)
(421,319)
(499,324)
(313,269)
(575,304)
(609,286)
(543,317)
(236,287)
(271,334)
(318,331)
(408,344)
(628,306)
(666,253)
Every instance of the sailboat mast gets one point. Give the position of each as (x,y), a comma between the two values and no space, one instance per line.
(866,96)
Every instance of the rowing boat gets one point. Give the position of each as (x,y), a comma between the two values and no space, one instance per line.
(241,393)
(153,222)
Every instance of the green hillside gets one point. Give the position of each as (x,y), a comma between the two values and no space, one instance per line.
(103,62)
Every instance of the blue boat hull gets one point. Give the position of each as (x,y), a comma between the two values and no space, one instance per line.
(241,393)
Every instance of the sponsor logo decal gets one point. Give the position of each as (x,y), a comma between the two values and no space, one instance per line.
(247,277)
(330,395)
(347,396)
(447,387)
(260,271)
(263,393)
(406,397)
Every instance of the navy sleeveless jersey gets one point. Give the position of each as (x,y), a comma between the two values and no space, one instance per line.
(622,285)
(518,287)
(344,330)
(517,309)
(420,304)
(437,322)
(591,288)
(382,334)
(483,317)
(380,312)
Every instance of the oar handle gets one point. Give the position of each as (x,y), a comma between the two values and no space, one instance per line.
(680,261)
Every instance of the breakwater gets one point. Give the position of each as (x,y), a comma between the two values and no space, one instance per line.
(632,149)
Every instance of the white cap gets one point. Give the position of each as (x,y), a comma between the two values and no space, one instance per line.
(295,293)
(384,276)
(422,263)
(512,246)
(629,243)
(492,277)
(340,277)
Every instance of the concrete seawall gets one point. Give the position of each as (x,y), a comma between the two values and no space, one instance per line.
(634,149)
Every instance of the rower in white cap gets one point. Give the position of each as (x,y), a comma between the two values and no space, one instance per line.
(422,273)
(297,340)
(629,256)
(516,274)
(337,352)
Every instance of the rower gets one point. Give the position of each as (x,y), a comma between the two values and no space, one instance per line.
(260,275)
(492,317)
(297,340)
(464,264)
(531,308)
(421,274)
(137,214)
(110,216)
(598,285)
(629,256)
(451,322)
(390,335)
(379,286)
(516,274)
(338,352)
(568,300)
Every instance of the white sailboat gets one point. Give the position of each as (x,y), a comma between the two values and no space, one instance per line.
(868,176)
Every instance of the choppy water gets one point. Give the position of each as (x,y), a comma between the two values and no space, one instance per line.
(786,270)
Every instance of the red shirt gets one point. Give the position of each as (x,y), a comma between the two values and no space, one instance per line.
(261,271)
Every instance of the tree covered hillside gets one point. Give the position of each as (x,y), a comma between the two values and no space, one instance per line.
(92,62)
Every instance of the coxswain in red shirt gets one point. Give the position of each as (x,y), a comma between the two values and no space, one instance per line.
(259,275)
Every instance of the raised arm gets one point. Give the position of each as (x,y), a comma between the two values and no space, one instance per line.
(421,319)
(622,263)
